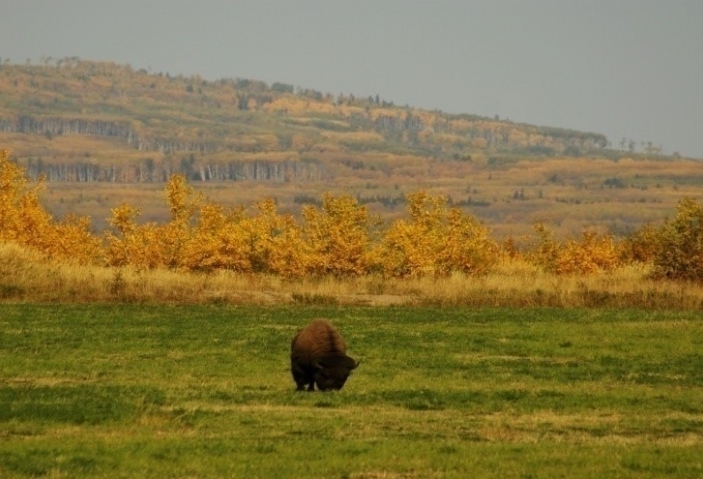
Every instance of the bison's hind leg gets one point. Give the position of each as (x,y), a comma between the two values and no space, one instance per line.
(299,376)
(303,377)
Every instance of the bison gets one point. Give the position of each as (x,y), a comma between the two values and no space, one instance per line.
(318,356)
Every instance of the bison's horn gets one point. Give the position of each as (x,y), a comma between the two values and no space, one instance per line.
(317,365)
(356,364)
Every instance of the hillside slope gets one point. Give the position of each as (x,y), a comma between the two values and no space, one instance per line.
(120,133)
(211,130)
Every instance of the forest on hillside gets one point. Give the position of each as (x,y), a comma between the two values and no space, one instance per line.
(235,129)
(101,132)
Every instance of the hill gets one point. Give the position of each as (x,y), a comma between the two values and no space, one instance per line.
(103,133)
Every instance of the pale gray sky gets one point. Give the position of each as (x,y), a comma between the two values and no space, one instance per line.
(625,68)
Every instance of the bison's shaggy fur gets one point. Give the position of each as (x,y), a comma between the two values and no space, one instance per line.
(319,357)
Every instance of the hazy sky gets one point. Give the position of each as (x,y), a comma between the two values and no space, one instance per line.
(625,68)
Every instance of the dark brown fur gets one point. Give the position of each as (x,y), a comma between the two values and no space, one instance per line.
(319,358)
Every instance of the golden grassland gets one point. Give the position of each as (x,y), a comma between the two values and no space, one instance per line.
(26,276)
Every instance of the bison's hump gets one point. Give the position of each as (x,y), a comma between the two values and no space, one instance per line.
(316,340)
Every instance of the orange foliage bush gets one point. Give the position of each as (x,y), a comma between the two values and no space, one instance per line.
(338,237)
(217,241)
(205,237)
(593,254)
(642,245)
(24,221)
(679,246)
(436,241)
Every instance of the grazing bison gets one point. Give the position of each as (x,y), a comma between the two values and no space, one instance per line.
(318,356)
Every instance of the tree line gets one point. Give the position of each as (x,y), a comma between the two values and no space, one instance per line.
(170,114)
(151,171)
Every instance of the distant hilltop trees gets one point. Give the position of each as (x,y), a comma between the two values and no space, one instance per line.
(231,129)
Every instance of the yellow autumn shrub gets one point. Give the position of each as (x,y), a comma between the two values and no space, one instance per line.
(217,241)
(594,253)
(678,253)
(134,245)
(153,245)
(277,244)
(410,248)
(73,240)
(642,245)
(338,237)
(468,245)
(436,241)
(12,190)
(23,220)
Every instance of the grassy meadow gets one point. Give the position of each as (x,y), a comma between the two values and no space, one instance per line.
(118,390)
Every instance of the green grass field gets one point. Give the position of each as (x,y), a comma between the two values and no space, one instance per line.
(158,391)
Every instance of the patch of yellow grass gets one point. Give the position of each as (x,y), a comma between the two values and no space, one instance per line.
(27,276)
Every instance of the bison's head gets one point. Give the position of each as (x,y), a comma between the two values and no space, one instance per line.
(332,372)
